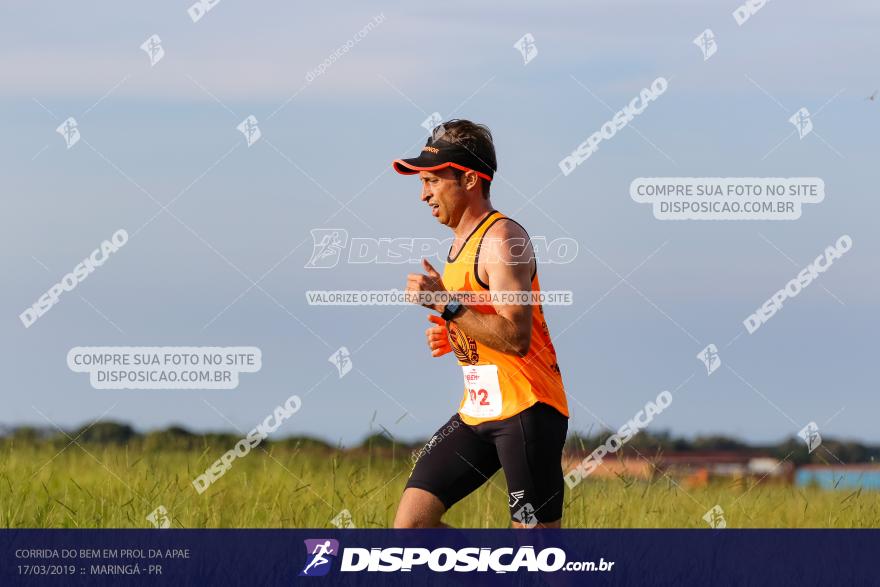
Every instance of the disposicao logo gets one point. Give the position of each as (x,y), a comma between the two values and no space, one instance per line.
(318,556)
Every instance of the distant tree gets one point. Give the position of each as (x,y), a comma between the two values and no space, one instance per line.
(105,432)
(646,443)
(303,442)
(172,438)
(29,434)
(718,443)
(378,440)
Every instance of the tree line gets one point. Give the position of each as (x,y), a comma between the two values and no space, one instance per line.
(646,443)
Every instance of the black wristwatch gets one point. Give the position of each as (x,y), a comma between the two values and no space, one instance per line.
(452,309)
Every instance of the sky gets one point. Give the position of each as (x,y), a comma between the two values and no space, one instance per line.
(220,232)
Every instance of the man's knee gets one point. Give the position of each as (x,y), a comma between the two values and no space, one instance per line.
(415,521)
(419,509)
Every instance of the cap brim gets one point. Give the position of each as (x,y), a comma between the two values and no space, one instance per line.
(416,164)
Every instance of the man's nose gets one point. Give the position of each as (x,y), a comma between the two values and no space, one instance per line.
(426,193)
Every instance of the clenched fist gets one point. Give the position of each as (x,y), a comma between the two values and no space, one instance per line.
(418,284)
(438,340)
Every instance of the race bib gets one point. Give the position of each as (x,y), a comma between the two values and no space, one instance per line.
(482,390)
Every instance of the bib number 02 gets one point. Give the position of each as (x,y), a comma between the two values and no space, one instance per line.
(482,391)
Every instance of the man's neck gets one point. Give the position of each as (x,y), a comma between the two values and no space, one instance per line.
(470,219)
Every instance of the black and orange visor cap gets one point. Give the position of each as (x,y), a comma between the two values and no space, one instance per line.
(440,154)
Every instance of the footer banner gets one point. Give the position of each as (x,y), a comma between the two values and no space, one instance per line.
(429,557)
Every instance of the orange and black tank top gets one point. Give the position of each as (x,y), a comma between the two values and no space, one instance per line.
(499,385)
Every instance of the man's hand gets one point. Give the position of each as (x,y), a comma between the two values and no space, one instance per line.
(438,339)
(417,283)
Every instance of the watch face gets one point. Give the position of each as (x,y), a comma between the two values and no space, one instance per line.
(451,309)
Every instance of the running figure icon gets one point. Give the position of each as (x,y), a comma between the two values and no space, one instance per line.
(319,556)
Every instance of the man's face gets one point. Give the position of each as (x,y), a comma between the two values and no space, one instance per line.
(444,194)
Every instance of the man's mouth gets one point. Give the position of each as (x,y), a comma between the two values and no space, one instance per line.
(435,210)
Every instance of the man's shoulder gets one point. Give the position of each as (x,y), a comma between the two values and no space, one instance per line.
(506,240)
(505,227)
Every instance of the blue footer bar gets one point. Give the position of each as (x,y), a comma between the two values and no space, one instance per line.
(448,557)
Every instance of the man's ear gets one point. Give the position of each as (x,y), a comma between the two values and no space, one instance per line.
(471,179)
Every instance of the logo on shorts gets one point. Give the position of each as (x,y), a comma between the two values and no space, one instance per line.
(515,496)
(464,347)
(318,560)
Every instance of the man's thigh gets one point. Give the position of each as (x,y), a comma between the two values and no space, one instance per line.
(454,463)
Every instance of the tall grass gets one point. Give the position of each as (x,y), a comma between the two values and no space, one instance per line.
(107,486)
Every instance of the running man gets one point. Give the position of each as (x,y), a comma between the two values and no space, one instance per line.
(320,559)
(514,413)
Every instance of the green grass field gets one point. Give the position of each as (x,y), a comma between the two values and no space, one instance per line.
(116,487)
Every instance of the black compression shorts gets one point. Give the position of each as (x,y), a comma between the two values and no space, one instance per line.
(528,447)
